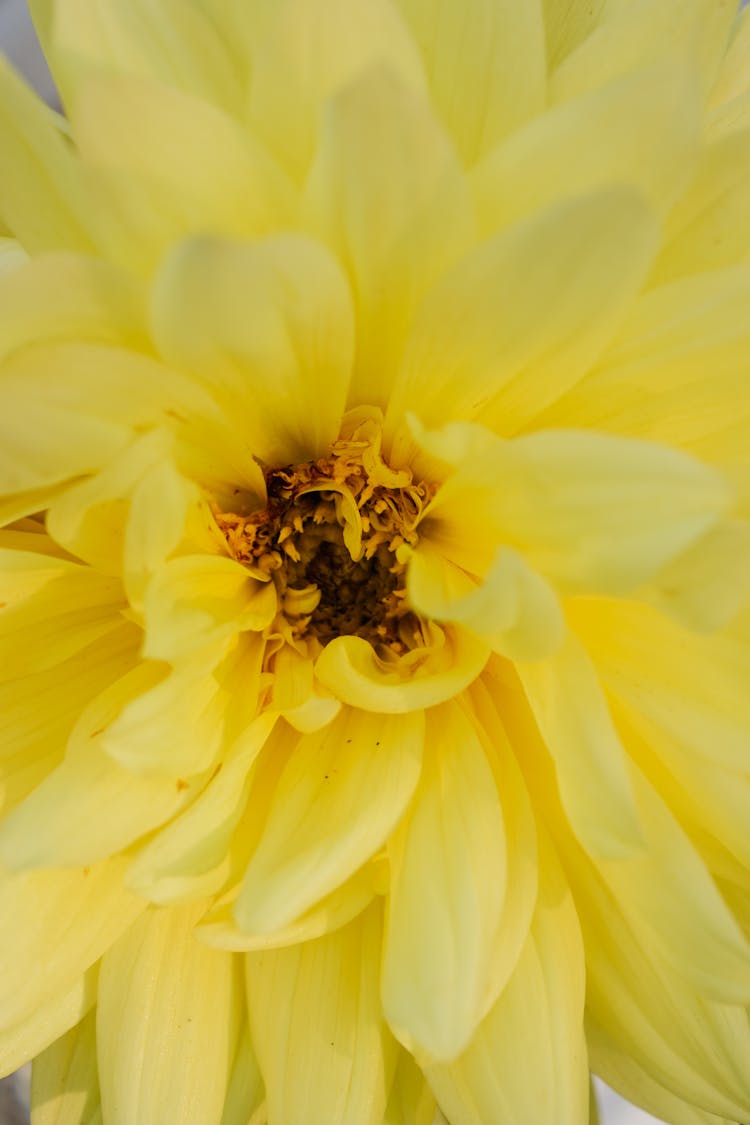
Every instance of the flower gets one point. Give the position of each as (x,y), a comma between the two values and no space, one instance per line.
(376,562)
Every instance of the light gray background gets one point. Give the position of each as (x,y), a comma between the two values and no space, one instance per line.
(17,40)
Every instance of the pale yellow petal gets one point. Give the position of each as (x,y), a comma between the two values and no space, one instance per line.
(637,31)
(25,1040)
(284,370)
(310,50)
(693,1047)
(519,319)
(568,23)
(673,903)
(641,130)
(169,41)
(591,763)
(676,371)
(342,793)
(167,1023)
(710,226)
(527,1061)
(387,193)
(448,861)
(350,669)
(588,511)
(38,709)
(162,164)
(64,1081)
(485,62)
(734,76)
(189,857)
(511,608)
(220,930)
(316,1024)
(41,198)
(69,297)
(195,601)
(694,688)
(53,926)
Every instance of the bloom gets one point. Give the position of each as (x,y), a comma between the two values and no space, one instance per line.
(374,409)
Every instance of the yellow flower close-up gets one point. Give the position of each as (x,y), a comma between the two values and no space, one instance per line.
(375,563)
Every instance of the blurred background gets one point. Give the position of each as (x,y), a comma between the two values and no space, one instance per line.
(17,40)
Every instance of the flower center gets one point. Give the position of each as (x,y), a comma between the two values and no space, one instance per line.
(334,538)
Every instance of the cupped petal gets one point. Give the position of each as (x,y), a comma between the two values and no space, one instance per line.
(340,796)
(485,63)
(167,1023)
(387,193)
(64,1079)
(527,1060)
(196,601)
(27,1039)
(591,763)
(311,49)
(324,1052)
(171,41)
(410,1101)
(520,319)
(448,883)
(165,165)
(285,369)
(351,670)
(642,130)
(53,926)
(41,196)
(590,512)
(245,1092)
(511,608)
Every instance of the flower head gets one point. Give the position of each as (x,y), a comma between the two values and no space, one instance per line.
(374,404)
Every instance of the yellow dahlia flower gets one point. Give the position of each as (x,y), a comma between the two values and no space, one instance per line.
(375,413)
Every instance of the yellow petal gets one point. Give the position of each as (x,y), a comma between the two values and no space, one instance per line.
(733,79)
(512,609)
(519,319)
(448,861)
(68,297)
(340,796)
(220,930)
(589,512)
(591,764)
(187,857)
(310,50)
(668,894)
(676,372)
(641,130)
(167,1023)
(387,193)
(568,23)
(172,41)
(38,710)
(53,926)
(64,1082)
(285,370)
(316,1024)
(693,1047)
(635,32)
(527,1060)
(694,688)
(164,164)
(485,61)
(710,226)
(40,192)
(350,669)
(411,1101)
(25,1040)
(245,1091)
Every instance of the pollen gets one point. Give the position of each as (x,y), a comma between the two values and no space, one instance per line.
(334,537)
